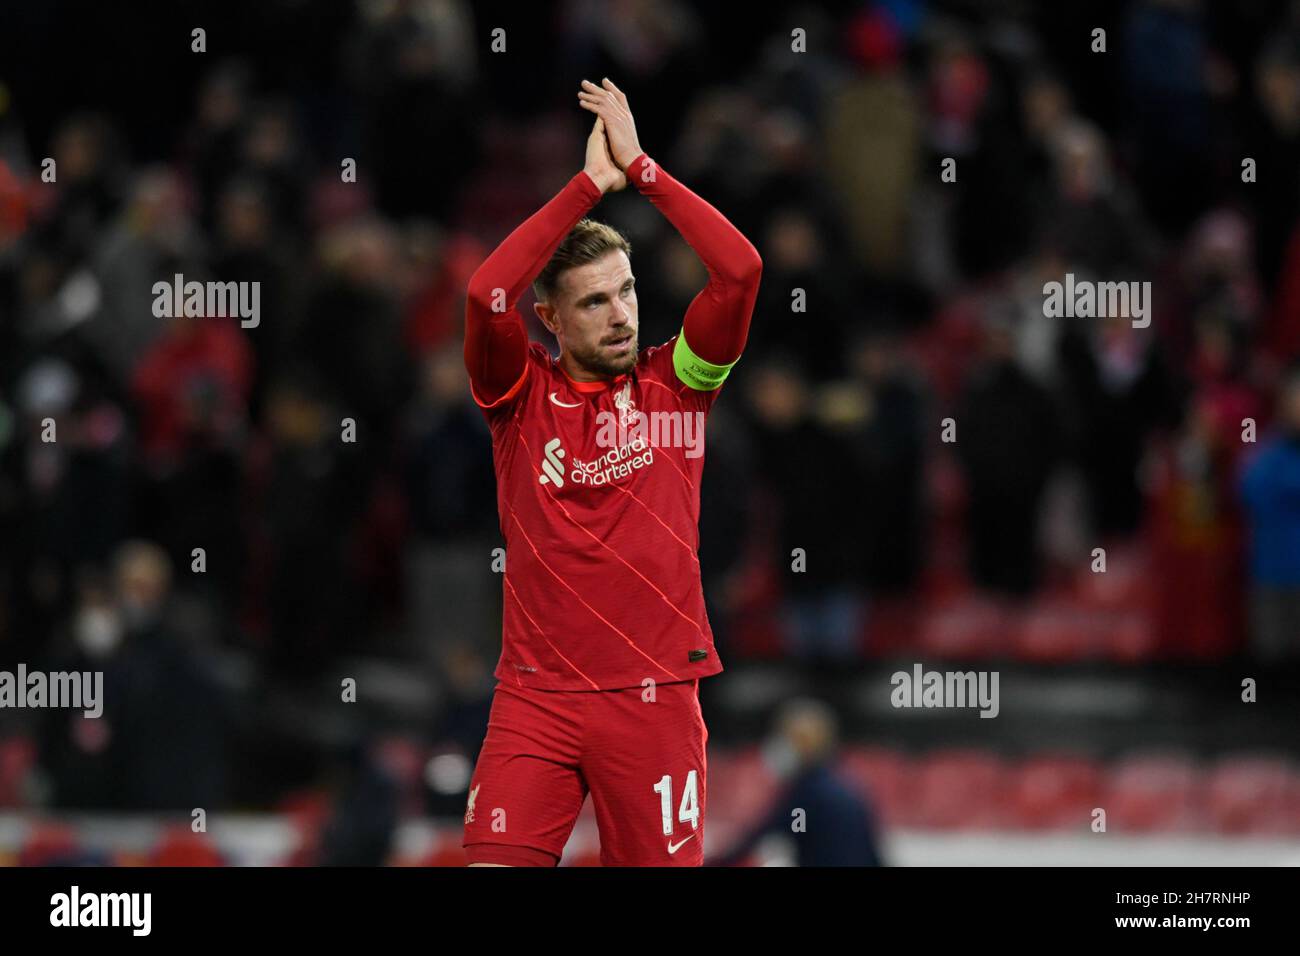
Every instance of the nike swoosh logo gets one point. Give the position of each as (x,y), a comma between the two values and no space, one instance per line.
(564,404)
(674,847)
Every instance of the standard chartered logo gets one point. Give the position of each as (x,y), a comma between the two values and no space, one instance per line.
(552,470)
(613,465)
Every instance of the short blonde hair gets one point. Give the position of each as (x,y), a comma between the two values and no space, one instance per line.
(588,241)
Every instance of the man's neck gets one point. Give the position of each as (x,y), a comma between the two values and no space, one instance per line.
(582,375)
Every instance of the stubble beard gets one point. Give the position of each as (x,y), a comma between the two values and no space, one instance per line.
(598,363)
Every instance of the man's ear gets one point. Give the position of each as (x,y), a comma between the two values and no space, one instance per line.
(546,313)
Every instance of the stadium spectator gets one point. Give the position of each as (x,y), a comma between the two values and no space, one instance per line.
(453,585)
(1271,491)
(817,552)
(1121,391)
(1007,443)
(306,490)
(817,813)
(891,453)
(160,743)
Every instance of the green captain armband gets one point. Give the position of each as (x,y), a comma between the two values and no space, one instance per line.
(694,371)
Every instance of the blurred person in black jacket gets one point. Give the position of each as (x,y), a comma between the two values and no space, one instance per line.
(350,331)
(174,716)
(160,743)
(64,494)
(1273,140)
(309,490)
(810,471)
(250,247)
(891,450)
(821,815)
(1121,390)
(454,591)
(1006,442)
(363,822)
(796,257)
(457,736)
(75,763)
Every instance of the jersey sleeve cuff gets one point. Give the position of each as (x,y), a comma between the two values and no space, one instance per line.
(514,390)
(590,191)
(637,173)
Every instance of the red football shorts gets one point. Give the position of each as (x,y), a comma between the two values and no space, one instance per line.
(639,751)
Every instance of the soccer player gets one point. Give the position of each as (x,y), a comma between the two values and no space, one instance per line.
(605,637)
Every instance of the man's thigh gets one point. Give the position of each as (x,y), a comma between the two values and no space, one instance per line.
(527,788)
(644,760)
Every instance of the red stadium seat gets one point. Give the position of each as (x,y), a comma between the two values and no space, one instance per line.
(887,778)
(891,627)
(1056,792)
(1153,792)
(1254,794)
(47,844)
(961,789)
(970,627)
(1066,629)
(180,846)
(307,811)
(1054,632)
(1131,638)
(740,785)
(1123,585)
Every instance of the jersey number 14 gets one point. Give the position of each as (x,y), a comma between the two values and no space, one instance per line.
(688,811)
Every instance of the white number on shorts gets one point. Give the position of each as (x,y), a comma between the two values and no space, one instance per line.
(688,812)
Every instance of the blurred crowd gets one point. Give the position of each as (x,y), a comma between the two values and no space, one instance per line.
(892,300)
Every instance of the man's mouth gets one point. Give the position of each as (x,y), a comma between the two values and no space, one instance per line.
(620,344)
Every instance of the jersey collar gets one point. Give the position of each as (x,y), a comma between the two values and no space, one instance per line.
(589,387)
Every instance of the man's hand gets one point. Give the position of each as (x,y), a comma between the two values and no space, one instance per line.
(600,165)
(610,105)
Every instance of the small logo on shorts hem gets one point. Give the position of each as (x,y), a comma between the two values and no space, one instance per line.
(697,655)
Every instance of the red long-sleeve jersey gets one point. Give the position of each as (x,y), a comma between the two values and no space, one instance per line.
(602,585)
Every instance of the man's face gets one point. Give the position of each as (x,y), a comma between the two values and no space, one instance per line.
(594,317)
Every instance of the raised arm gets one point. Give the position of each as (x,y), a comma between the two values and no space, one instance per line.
(496,340)
(717,322)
